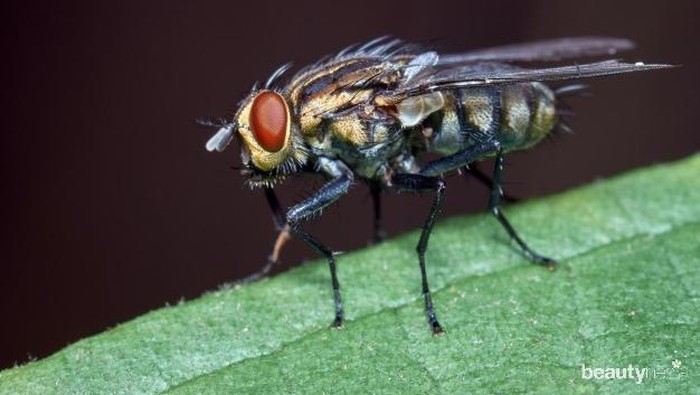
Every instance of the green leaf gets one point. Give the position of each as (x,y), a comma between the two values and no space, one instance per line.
(626,293)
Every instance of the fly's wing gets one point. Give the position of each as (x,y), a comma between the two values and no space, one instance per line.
(426,72)
(544,51)
(446,77)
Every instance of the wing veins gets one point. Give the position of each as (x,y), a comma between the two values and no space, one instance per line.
(545,51)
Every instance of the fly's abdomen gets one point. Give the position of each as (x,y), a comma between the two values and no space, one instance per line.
(518,116)
(528,113)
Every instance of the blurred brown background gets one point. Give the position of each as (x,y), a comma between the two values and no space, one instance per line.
(111,207)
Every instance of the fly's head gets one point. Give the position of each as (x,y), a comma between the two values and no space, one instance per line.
(271,145)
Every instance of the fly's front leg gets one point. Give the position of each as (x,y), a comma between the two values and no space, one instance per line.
(328,194)
(280,241)
(494,206)
(281,226)
(417,183)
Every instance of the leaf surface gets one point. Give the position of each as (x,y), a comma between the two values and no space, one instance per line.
(626,294)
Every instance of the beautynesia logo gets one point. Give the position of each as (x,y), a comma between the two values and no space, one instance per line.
(629,372)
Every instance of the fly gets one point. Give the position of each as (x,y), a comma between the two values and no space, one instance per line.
(369,112)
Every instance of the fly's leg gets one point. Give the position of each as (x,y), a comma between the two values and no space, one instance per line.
(471,154)
(417,183)
(328,194)
(474,171)
(280,224)
(379,232)
(494,206)
(282,237)
(460,158)
(275,208)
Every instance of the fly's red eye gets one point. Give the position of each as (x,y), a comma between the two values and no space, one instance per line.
(268,120)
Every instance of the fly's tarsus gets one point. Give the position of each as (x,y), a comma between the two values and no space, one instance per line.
(495,208)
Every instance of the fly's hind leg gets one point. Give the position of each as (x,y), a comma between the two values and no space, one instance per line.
(478,151)
(418,183)
(474,171)
(494,206)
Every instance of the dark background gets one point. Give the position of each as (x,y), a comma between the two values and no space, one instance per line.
(111,207)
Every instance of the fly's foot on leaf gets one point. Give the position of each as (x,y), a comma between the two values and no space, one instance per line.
(549,263)
(337,323)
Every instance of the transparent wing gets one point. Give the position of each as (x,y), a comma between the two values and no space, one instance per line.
(546,51)
(420,63)
(463,76)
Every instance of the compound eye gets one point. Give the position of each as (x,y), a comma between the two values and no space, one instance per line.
(268,120)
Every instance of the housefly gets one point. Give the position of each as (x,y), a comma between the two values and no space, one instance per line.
(369,112)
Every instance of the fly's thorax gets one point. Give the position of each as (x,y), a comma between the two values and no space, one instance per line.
(269,135)
(336,87)
(366,143)
(363,130)
(313,112)
(351,130)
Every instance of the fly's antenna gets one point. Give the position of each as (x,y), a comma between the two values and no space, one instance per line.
(276,75)
(222,138)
